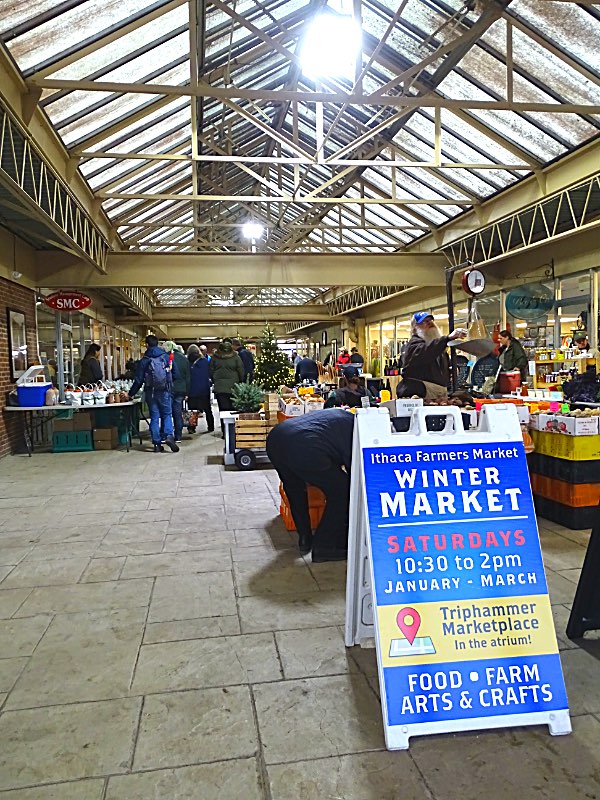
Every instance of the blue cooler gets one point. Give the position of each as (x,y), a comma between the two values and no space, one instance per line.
(30,392)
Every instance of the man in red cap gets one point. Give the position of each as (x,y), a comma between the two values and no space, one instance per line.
(426,366)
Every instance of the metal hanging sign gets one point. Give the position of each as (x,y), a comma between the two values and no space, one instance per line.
(445,572)
(68,301)
(530,302)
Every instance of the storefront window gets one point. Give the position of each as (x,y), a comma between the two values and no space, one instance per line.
(388,342)
(374,343)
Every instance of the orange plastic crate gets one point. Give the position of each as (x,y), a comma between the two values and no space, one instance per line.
(288,520)
(316,498)
(576,495)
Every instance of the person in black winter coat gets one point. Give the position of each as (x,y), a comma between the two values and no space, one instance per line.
(247,359)
(199,396)
(306,370)
(316,449)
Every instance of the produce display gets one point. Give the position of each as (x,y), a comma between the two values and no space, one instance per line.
(98,394)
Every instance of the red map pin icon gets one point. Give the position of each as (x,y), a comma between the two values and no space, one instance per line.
(409,621)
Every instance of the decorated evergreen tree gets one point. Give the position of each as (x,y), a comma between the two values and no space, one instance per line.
(272,367)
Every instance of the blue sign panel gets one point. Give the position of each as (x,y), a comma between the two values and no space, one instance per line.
(464,623)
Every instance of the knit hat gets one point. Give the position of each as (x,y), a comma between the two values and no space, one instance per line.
(225,347)
(169,346)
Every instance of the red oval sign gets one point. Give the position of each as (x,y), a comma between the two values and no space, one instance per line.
(68,301)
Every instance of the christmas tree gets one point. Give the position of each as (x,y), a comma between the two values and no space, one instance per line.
(272,367)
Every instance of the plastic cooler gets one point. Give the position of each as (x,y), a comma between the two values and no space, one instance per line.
(509,381)
(31,392)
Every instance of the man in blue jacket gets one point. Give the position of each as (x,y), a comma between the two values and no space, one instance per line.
(156,371)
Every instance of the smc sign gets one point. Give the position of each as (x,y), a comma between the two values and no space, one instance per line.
(68,301)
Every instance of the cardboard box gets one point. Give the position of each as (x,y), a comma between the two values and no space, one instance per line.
(313,405)
(104,444)
(106,435)
(291,409)
(82,421)
(576,426)
(62,426)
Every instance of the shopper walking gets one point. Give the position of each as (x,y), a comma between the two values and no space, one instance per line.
(512,355)
(306,370)
(226,369)
(181,386)
(90,370)
(356,358)
(156,372)
(316,449)
(247,359)
(199,396)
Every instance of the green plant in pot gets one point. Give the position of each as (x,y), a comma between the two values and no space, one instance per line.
(246,398)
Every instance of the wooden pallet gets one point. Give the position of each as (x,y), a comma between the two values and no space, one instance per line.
(252,433)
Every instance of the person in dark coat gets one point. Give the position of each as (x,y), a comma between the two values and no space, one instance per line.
(181,387)
(226,369)
(426,366)
(247,359)
(158,401)
(356,357)
(90,370)
(199,396)
(316,449)
(306,370)
(350,392)
(512,355)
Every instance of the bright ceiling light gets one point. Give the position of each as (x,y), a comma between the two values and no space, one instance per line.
(331,46)
(252,230)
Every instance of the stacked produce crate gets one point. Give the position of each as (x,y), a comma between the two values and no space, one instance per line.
(565,477)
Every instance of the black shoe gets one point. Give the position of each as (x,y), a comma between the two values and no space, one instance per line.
(210,430)
(305,541)
(158,448)
(329,555)
(172,444)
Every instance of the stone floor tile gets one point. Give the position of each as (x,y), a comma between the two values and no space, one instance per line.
(261,517)
(91,522)
(523,762)
(10,600)
(87,597)
(89,656)
(365,659)
(251,537)
(330,576)
(176,563)
(224,780)
(10,669)
(562,554)
(149,517)
(91,789)
(212,540)
(103,569)
(20,637)
(274,577)
(3,697)
(118,549)
(190,521)
(62,551)
(315,652)
(12,555)
(183,728)
(572,575)
(207,594)
(64,743)
(364,776)
(560,589)
(45,573)
(561,614)
(203,663)
(283,612)
(580,669)
(5,570)
(317,717)
(74,534)
(181,629)
(136,532)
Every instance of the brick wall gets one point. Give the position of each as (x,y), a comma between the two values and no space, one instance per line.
(17,298)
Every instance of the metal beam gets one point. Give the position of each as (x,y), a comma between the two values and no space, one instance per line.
(249,269)
(429,100)
(223,314)
(216,330)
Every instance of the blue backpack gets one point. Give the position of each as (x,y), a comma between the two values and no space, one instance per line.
(158,375)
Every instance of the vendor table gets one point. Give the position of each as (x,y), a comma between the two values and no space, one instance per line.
(46,413)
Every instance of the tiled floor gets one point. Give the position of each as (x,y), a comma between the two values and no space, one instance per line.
(161,638)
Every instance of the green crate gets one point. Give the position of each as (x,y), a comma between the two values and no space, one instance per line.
(72,442)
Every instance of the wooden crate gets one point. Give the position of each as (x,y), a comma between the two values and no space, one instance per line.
(252,433)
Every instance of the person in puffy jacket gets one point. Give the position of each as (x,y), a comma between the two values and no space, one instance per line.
(157,399)
(181,386)
(199,396)
(226,369)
